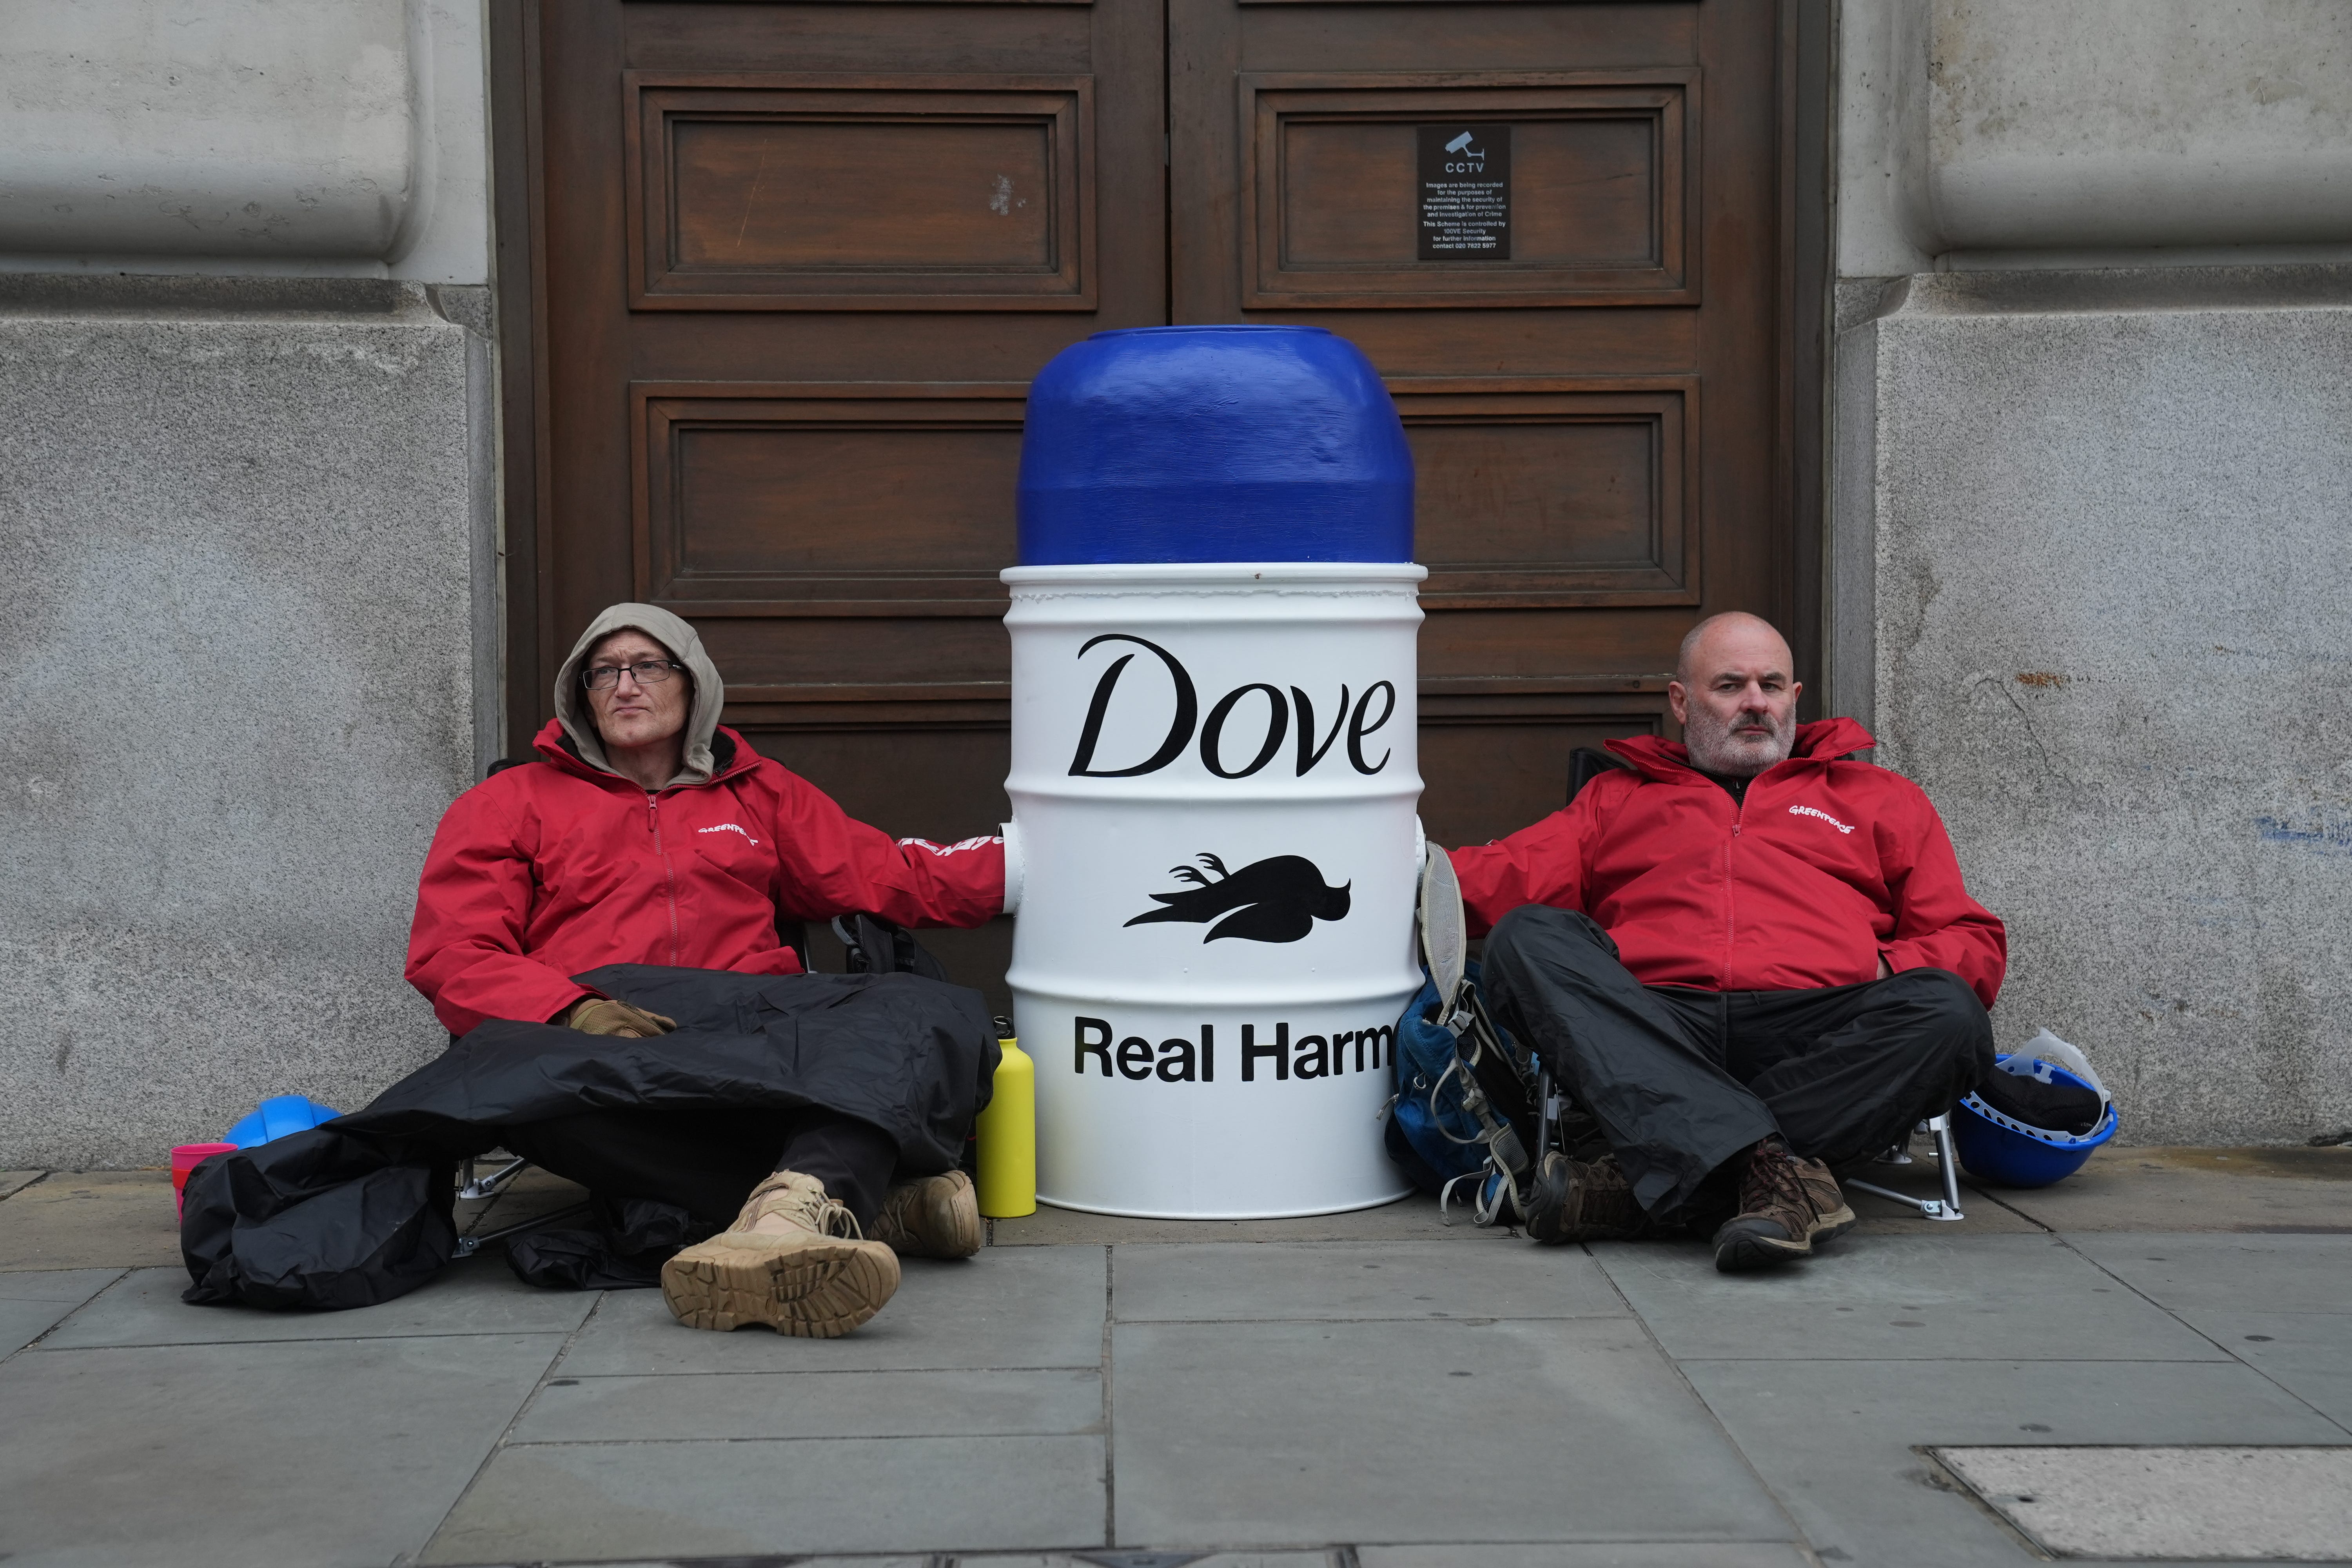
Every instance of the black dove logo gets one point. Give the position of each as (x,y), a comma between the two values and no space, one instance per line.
(1271,900)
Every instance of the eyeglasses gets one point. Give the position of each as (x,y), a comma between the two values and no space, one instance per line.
(648,671)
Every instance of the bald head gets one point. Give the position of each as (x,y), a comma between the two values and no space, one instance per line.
(1735,693)
(1708,641)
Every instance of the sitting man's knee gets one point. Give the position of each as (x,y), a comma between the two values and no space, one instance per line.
(1940,989)
(1539,928)
(1965,1027)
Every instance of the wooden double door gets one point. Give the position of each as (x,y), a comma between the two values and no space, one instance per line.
(774,277)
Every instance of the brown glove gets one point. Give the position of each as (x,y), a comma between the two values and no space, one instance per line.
(601,1015)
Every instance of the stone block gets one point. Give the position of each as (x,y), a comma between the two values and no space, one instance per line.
(241,664)
(2105,532)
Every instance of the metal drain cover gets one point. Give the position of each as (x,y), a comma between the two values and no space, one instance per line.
(2291,1505)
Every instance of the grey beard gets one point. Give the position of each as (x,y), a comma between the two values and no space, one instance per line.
(1712,750)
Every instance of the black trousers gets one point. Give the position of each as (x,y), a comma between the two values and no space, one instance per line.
(708,1162)
(1680,1080)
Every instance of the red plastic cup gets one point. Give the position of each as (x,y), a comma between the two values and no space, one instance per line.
(187,1158)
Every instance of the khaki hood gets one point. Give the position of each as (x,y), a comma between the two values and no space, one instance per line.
(710,692)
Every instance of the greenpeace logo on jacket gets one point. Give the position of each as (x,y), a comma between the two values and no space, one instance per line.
(1824,867)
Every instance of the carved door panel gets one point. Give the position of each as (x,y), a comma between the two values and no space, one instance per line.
(1589,386)
(796,265)
(775,277)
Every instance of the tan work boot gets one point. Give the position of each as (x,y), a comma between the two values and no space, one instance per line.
(793,1260)
(931,1216)
(1786,1206)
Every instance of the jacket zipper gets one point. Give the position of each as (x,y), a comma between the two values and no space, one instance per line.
(669,871)
(1730,881)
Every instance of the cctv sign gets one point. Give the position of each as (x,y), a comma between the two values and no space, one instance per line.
(1465,193)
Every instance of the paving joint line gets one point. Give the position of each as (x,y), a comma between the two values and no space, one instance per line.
(27,1187)
(310,1340)
(1111,1433)
(2234,1357)
(1797,1535)
(538,1385)
(70,1312)
(936,1436)
(1478,1321)
(832,1371)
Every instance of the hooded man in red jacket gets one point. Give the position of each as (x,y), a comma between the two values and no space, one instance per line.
(1748,957)
(645,833)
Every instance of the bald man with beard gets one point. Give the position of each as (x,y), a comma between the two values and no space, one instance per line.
(1750,958)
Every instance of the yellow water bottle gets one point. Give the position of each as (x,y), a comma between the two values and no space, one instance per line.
(1008,1138)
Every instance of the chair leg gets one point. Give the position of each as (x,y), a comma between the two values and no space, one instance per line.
(1946,1207)
(1949,1158)
(1546,1116)
(487,1187)
(469,1245)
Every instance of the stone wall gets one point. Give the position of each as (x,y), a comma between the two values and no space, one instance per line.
(292,137)
(2092,442)
(2111,582)
(247,380)
(241,650)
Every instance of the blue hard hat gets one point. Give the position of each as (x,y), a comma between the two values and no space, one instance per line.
(276,1117)
(2003,1149)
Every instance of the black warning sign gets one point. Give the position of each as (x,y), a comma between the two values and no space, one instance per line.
(1465,193)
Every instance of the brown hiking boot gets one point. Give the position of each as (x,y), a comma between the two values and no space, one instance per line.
(1786,1204)
(1577,1201)
(792,1259)
(931,1216)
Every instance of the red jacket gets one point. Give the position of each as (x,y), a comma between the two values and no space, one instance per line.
(1826,867)
(544,871)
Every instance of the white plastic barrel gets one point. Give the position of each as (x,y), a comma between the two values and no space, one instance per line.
(1214,783)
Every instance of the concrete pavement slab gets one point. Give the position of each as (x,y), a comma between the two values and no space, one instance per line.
(1303,1433)
(1591,1555)
(1837,1441)
(2309,1354)
(2161,1189)
(2004,1297)
(1006,1307)
(71,1285)
(2192,1272)
(1412,1218)
(1120,1557)
(920,1560)
(1234,1282)
(943,1404)
(476,1296)
(17,1180)
(310,1455)
(590,1501)
(31,1303)
(91,1219)
(2251,1504)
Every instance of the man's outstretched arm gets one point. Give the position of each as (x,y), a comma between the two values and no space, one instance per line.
(833,864)
(1540,863)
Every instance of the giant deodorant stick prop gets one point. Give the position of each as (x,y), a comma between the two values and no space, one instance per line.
(1214,775)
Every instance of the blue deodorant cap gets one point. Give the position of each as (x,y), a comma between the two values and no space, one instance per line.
(1198,444)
